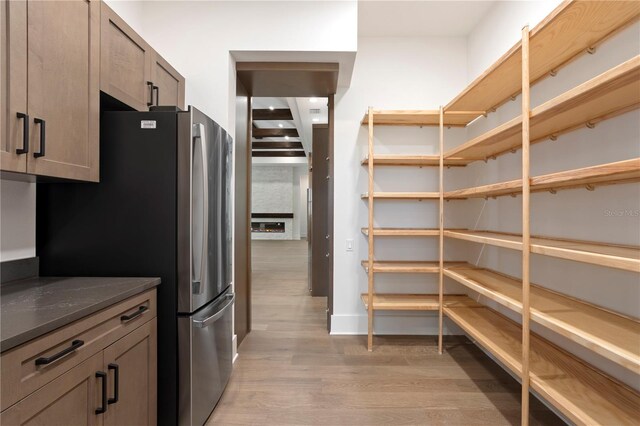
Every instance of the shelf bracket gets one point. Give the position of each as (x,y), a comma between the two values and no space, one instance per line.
(590,124)
(590,187)
(492,157)
(591,50)
(553,191)
(513,195)
(513,151)
(513,97)
(553,73)
(553,137)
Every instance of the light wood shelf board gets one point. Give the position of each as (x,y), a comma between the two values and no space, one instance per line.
(620,172)
(571,29)
(403,232)
(604,254)
(403,195)
(413,161)
(609,334)
(407,266)
(404,302)
(581,393)
(614,92)
(419,118)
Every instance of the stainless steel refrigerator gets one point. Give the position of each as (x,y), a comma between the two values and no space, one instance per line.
(162,208)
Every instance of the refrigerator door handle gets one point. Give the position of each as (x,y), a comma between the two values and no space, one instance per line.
(213,318)
(199,271)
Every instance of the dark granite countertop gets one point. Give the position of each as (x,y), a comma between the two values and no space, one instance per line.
(32,307)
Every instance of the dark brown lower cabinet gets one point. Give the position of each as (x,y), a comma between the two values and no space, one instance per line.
(131,367)
(109,378)
(71,399)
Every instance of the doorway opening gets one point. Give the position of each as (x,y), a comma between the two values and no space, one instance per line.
(284,192)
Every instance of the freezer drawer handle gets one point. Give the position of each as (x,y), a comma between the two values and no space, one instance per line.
(141,310)
(213,318)
(48,360)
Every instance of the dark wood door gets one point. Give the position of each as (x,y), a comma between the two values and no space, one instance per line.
(330,210)
(320,249)
(242,234)
(125,66)
(133,360)
(13,85)
(64,88)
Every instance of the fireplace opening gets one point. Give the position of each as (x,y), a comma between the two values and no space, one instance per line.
(268,227)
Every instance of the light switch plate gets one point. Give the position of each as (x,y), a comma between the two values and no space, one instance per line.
(349,245)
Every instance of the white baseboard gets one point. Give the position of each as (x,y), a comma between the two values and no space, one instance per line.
(390,323)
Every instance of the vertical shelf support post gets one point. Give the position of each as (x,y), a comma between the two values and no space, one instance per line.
(526,231)
(370,237)
(441,236)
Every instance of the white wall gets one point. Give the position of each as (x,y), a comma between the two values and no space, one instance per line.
(301,212)
(281,189)
(390,73)
(197,36)
(577,214)
(17,220)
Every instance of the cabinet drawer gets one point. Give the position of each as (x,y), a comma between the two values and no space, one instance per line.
(34,364)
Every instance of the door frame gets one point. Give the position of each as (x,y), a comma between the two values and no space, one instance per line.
(274,79)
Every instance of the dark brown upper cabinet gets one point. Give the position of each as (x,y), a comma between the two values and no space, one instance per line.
(51,114)
(131,71)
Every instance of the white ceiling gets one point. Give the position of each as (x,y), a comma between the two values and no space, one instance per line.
(398,18)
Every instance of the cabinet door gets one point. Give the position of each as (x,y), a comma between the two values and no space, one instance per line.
(64,88)
(125,64)
(13,76)
(132,394)
(168,83)
(71,399)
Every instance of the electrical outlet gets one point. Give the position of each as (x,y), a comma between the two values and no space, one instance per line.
(349,245)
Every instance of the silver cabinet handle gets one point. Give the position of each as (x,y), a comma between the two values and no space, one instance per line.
(213,318)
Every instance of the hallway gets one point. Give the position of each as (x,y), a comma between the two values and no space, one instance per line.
(290,371)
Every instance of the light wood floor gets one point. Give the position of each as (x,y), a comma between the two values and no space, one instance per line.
(291,372)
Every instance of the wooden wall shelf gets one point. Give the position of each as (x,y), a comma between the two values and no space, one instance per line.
(610,255)
(612,93)
(570,30)
(413,160)
(611,335)
(581,393)
(402,232)
(403,195)
(419,118)
(402,302)
(405,302)
(407,266)
(625,171)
